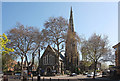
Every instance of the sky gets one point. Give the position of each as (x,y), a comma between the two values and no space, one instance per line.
(89,17)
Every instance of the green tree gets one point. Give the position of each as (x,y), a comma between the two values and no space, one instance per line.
(3,45)
(5,52)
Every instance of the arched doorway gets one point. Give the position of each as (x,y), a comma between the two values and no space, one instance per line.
(49,72)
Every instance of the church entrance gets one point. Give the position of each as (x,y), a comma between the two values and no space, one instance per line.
(49,72)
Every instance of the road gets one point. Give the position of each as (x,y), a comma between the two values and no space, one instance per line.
(65,78)
(73,78)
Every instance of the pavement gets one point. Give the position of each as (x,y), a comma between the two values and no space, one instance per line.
(72,78)
(66,78)
(63,77)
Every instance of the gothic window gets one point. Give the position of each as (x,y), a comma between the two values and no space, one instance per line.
(47,59)
(53,59)
(50,59)
(44,60)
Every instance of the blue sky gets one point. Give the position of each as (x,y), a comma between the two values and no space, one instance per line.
(89,17)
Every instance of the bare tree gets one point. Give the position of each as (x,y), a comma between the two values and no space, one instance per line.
(84,51)
(55,31)
(95,49)
(41,42)
(23,41)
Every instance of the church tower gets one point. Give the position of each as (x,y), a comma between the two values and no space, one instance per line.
(71,53)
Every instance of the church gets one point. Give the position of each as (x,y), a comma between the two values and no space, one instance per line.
(67,61)
(71,53)
(49,61)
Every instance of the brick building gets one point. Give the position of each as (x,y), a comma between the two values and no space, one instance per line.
(117,57)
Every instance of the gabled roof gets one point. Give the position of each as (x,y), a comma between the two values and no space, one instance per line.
(55,51)
(61,55)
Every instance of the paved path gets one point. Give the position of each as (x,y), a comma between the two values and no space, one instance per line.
(65,77)
(68,78)
(73,78)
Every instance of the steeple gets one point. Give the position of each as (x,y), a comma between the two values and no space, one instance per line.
(71,53)
(71,26)
(71,16)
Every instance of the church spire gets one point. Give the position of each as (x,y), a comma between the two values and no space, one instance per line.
(71,26)
(71,16)
(71,53)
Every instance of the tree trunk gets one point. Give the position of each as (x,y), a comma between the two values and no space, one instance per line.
(33,57)
(22,65)
(58,53)
(22,62)
(58,57)
(26,61)
(95,65)
(39,57)
(39,61)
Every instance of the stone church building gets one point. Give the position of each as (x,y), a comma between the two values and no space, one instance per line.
(71,53)
(49,61)
(68,61)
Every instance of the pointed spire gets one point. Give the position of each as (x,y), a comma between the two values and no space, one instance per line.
(71,21)
(71,17)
